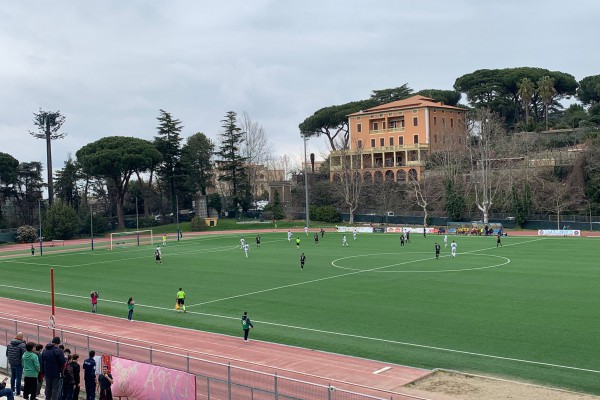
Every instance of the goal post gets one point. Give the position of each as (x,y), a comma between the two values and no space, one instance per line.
(132,238)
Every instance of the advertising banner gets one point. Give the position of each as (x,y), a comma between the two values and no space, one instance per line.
(559,232)
(3,359)
(400,229)
(359,229)
(138,381)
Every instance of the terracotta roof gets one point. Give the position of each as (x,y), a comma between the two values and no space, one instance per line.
(411,102)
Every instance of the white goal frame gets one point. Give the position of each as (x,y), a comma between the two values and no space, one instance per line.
(132,238)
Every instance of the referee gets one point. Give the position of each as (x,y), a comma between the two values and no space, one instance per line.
(181,299)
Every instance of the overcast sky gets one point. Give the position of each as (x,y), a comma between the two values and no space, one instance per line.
(109,66)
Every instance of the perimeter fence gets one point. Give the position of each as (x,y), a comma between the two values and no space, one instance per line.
(214,380)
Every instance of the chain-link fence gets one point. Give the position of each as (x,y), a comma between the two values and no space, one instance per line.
(214,380)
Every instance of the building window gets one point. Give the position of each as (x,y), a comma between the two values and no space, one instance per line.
(401,140)
(444,121)
(434,138)
(375,126)
(452,122)
(393,124)
(372,142)
(383,125)
(443,111)
(416,139)
(434,121)
(360,144)
(415,121)
(381,142)
(359,128)
(391,141)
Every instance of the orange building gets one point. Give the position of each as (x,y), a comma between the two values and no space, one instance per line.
(394,140)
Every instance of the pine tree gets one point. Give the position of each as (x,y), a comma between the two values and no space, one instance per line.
(168,142)
(230,161)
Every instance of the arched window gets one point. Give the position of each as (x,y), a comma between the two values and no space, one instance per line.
(389,176)
(400,175)
(412,173)
(368,178)
(378,176)
(336,177)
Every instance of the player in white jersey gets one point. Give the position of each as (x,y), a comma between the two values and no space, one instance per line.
(453,247)
(445,240)
(344,241)
(354,233)
(242,243)
(246,248)
(289,236)
(306,230)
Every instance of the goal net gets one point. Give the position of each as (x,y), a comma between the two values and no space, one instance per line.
(134,238)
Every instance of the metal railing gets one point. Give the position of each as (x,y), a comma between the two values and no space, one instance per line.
(213,379)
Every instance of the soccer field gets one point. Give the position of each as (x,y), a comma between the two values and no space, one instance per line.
(528,310)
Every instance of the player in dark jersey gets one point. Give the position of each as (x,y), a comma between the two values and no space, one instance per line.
(257,240)
(437,251)
(316,239)
(302,259)
(499,240)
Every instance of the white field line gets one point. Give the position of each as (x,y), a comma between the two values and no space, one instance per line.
(395,342)
(337,276)
(150,256)
(100,251)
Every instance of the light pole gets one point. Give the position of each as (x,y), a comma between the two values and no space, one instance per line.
(40,216)
(137,222)
(177,213)
(92,225)
(306,180)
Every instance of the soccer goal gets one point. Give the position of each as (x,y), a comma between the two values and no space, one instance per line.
(134,238)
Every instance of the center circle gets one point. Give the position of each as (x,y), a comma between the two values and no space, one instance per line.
(444,264)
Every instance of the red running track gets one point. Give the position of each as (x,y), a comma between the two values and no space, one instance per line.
(344,372)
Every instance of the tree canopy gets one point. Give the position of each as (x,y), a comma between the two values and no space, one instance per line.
(589,90)
(448,97)
(117,158)
(498,89)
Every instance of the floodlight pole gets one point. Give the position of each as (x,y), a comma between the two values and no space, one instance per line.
(306,180)
(177,211)
(40,215)
(137,222)
(92,225)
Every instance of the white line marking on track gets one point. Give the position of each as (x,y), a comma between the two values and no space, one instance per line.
(382,370)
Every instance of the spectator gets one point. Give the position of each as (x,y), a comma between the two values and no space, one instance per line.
(89,376)
(31,371)
(53,362)
(38,350)
(94,296)
(130,306)
(14,354)
(76,376)
(4,391)
(104,381)
(68,380)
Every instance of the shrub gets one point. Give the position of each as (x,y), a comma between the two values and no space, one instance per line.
(267,216)
(198,224)
(61,222)
(147,222)
(27,234)
(326,214)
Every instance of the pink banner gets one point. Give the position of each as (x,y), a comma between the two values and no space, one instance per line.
(140,381)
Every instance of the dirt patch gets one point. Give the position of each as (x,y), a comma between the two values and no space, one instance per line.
(470,387)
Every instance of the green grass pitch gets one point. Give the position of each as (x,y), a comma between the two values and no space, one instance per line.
(528,310)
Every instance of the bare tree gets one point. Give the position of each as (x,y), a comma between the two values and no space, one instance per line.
(556,196)
(347,178)
(486,134)
(427,191)
(256,148)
